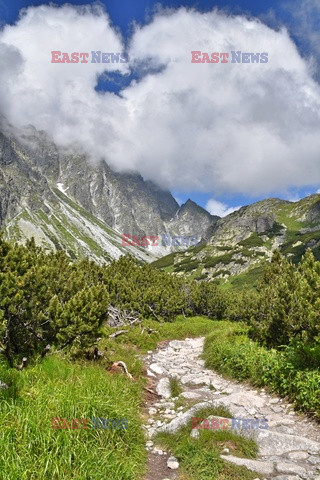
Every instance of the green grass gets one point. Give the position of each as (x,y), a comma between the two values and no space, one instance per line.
(229,351)
(179,329)
(248,279)
(186,266)
(164,262)
(214,261)
(56,387)
(175,387)
(253,241)
(197,248)
(200,458)
(32,450)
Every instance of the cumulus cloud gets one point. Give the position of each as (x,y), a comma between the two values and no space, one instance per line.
(241,128)
(219,208)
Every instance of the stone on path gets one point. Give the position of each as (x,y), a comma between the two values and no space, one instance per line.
(266,468)
(283,467)
(172,463)
(163,388)
(156,368)
(274,443)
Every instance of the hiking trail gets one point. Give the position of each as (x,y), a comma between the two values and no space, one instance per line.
(288,450)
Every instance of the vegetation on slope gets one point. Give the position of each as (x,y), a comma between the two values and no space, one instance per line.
(233,251)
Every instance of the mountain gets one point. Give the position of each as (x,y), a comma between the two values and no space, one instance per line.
(68,202)
(238,245)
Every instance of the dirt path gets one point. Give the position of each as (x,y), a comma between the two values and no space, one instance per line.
(289,449)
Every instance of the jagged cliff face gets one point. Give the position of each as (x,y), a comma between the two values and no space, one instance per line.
(237,246)
(67,202)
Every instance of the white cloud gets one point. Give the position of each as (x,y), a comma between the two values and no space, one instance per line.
(219,208)
(250,128)
(305,17)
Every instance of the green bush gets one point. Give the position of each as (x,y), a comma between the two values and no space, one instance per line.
(288,306)
(253,241)
(229,350)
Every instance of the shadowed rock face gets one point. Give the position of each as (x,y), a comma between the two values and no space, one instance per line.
(33,170)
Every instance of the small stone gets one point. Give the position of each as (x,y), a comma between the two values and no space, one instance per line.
(163,388)
(258,466)
(194,433)
(273,401)
(226,451)
(150,374)
(149,444)
(190,395)
(252,411)
(277,409)
(156,368)
(298,455)
(152,411)
(228,391)
(287,430)
(283,467)
(287,477)
(172,463)
(159,423)
(157,451)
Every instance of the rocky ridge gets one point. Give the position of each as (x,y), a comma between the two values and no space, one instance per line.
(67,201)
(237,246)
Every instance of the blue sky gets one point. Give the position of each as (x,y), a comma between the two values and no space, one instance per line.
(274,13)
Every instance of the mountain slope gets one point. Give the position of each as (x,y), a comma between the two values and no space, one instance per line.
(69,203)
(239,244)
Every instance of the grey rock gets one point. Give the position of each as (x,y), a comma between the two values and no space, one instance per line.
(195,433)
(287,477)
(266,468)
(156,368)
(298,455)
(158,451)
(163,388)
(172,463)
(274,443)
(190,395)
(284,467)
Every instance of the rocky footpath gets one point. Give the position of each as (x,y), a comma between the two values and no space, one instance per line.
(288,450)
